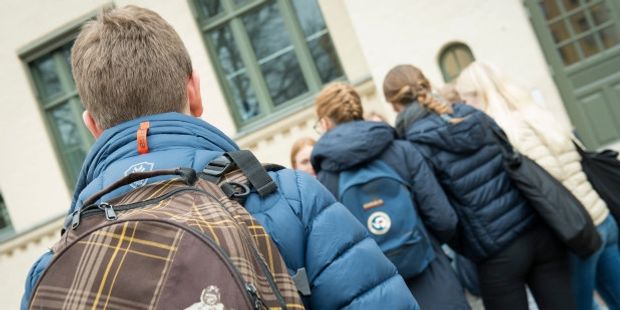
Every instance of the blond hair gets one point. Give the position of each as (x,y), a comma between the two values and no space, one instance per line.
(297,146)
(505,102)
(405,84)
(128,63)
(340,103)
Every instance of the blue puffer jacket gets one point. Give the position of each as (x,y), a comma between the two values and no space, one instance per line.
(356,143)
(468,164)
(346,268)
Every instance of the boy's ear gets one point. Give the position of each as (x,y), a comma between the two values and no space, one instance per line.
(91,124)
(194,97)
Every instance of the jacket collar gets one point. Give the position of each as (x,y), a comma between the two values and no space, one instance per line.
(166,132)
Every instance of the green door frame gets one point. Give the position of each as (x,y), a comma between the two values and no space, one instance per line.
(561,72)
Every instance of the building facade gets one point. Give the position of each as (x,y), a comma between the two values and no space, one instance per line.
(261,63)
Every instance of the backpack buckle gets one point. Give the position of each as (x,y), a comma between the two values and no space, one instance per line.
(218,166)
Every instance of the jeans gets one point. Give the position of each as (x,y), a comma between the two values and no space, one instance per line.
(600,271)
(536,259)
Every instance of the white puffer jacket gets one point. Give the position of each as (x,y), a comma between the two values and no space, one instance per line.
(563,162)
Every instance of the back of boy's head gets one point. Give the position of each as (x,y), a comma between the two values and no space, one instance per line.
(129,63)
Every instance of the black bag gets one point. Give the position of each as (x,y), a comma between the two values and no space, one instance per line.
(555,204)
(603,171)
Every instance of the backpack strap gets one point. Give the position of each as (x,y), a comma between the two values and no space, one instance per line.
(254,171)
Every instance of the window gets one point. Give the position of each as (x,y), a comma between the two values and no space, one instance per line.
(61,107)
(269,54)
(580,29)
(5,221)
(453,59)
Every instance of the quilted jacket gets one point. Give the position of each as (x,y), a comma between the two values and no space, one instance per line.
(468,164)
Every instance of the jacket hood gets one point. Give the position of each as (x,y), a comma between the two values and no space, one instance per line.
(173,139)
(462,137)
(351,144)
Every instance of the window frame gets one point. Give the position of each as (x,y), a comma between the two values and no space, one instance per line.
(231,15)
(449,50)
(52,43)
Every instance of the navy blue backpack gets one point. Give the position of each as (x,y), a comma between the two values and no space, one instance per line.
(380,199)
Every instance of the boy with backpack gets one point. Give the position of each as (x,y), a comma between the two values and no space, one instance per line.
(142,101)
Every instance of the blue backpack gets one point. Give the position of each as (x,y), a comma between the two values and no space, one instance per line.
(380,199)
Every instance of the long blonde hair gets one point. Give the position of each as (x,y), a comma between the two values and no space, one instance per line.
(405,84)
(502,100)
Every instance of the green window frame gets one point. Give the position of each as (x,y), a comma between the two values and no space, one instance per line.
(453,59)
(270,56)
(6,226)
(49,68)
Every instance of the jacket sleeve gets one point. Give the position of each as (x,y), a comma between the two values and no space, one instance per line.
(346,268)
(435,210)
(33,276)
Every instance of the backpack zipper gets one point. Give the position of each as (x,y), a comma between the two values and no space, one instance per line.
(109,211)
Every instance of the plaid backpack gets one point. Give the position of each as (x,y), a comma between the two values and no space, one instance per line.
(182,243)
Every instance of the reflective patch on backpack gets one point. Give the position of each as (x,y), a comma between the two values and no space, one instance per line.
(139,167)
(209,300)
(379,223)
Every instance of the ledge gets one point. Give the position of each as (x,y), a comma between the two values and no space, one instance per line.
(33,234)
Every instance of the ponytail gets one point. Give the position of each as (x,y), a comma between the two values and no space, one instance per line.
(405,84)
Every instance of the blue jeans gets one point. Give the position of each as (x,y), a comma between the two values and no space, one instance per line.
(600,271)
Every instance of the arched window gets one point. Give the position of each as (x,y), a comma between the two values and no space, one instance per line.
(453,59)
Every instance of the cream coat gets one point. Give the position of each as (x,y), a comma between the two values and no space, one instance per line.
(562,161)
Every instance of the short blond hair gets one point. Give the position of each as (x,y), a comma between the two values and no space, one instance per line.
(129,63)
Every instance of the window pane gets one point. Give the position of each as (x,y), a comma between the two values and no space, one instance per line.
(66,125)
(235,73)
(73,159)
(579,23)
(325,58)
(570,4)
(449,65)
(559,31)
(46,70)
(569,54)
(549,8)
(609,36)
(209,8)
(588,45)
(274,52)
(5,221)
(310,17)
(600,13)
(319,42)
(284,78)
(463,57)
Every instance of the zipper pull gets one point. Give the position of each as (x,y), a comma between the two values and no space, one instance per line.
(75,219)
(110,215)
(258,302)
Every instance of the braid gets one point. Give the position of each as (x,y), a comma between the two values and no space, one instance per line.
(339,102)
(405,84)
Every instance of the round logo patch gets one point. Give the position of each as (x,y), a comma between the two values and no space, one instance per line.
(379,223)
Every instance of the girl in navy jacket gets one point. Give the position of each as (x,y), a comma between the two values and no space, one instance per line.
(497,228)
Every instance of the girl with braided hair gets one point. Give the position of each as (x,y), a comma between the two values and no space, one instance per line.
(497,229)
(348,146)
